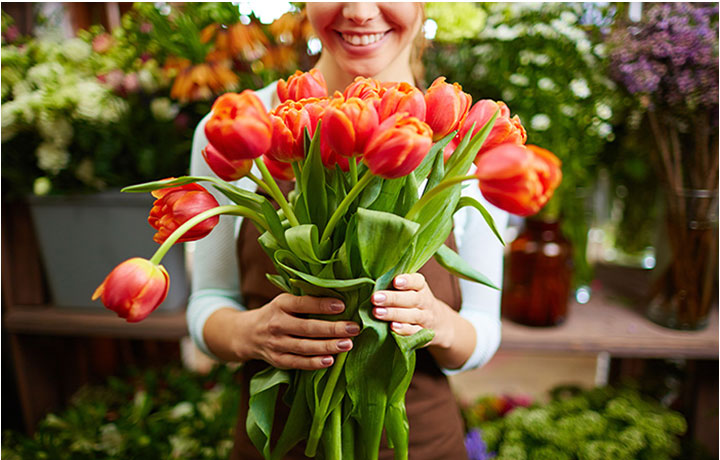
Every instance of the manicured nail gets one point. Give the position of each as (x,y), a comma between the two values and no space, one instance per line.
(345,344)
(396,325)
(326,361)
(337,306)
(352,328)
(400,281)
(379,298)
(379,312)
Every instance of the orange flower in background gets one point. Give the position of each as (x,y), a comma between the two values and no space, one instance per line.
(302,85)
(201,81)
(281,58)
(348,125)
(447,107)
(134,289)
(279,169)
(398,146)
(402,97)
(517,178)
(289,121)
(245,40)
(239,127)
(229,170)
(176,205)
(364,88)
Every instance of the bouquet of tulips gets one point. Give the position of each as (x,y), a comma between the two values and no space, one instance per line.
(378,172)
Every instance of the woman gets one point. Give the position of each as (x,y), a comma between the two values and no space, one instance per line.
(236,315)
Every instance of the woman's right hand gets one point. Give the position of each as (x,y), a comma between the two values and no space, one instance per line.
(276,334)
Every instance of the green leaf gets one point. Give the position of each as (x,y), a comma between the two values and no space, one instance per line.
(264,388)
(160,184)
(422,171)
(382,239)
(437,174)
(297,424)
(279,282)
(302,240)
(313,183)
(340,285)
(408,196)
(456,265)
(388,196)
(371,192)
(470,201)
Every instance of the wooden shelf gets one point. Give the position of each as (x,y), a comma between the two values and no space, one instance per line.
(603,325)
(86,322)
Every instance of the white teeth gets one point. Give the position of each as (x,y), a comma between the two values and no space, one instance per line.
(362,40)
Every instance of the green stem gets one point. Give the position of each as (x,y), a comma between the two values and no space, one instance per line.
(345,204)
(190,223)
(321,411)
(352,163)
(417,207)
(260,183)
(297,170)
(275,193)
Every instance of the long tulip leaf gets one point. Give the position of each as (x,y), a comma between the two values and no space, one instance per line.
(340,285)
(422,171)
(375,229)
(264,388)
(470,201)
(467,155)
(437,174)
(456,265)
(302,240)
(296,425)
(279,282)
(388,195)
(313,183)
(371,192)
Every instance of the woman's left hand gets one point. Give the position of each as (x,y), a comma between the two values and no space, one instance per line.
(412,307)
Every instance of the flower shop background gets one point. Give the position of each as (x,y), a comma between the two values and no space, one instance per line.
(99,96)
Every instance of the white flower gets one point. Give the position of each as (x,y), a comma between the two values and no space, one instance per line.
(8,116)
(546,84)
(45,73)
(518,79)
(604,129)
(508,94)
(147,80)
(181,410)
(51,158)
(568,17)
(506,33)
(541,59)
(603,111)
(580,88)
(76,49)
(568,110)
(540,122)
(42,186)
(59,131)
(22,88)
(600,50)
(163,109)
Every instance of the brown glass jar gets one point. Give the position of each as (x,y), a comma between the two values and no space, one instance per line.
(538,274)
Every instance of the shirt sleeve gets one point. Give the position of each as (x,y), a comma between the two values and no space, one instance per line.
(479,247)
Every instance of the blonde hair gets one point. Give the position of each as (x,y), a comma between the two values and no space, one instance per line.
(416,53)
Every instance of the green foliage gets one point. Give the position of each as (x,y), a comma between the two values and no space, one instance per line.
(165,414)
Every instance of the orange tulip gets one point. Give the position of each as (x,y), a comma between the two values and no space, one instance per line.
(176,205)
(398,146)
(134,289)
(279,169)
(519,179)
(330,157)
(239,127)
(302,85)
(402,97)
(289,121)
(348,124)
(447,107)
(315,107)
(364,88)
(229,170)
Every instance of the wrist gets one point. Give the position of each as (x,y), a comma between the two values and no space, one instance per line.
(445,329)
(242,340)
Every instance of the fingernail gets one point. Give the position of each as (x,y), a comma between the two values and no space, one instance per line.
(379,298)
(380,312)
(337,306)
(352,328)
(400,281)
(396,325)
(345,344)
(326,361)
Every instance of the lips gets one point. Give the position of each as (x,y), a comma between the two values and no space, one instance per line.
(362,39)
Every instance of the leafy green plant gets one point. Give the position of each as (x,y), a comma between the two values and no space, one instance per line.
(158,414)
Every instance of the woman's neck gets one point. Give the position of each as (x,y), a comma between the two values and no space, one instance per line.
(337,79)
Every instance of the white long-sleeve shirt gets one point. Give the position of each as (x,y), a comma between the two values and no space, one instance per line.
(216,280)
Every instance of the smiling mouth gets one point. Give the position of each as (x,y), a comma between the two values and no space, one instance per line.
(362,39)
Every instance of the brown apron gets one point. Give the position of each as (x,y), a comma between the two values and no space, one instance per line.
(436,427)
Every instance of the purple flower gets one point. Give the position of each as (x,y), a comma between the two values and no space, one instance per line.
(475,446)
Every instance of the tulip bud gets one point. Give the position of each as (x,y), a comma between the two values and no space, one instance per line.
(363,88)
(134,289)
(347,125)
(402,97)
(398,146)
(279,169)
(289,121)
(505,129)
(447,107)
(225,169)
(175,206)
(302,85)
(239,127)
(519,179)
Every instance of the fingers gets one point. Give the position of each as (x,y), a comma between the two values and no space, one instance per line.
(309,305)
(404,328)
(302,327)
(310,347)
(401,315)
(290,361)
(406,282)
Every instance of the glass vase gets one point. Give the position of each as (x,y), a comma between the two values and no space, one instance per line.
(686,288)
(538,275)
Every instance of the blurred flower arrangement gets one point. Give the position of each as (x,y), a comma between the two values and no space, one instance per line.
(547,61)
(594,424)
(107,108)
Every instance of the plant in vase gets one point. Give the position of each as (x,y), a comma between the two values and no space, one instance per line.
(356,218)
(669,62)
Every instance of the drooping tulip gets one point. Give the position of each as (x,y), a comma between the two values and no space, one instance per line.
(239,127)
(279,169)
(398,146)
(447,107)
(517,178)
(134,289)
(302,85)
(289,121)
(229,170)
(402,97)
(176,205)
(348,124)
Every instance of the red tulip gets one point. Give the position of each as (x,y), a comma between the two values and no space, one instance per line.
(330,157)
(239,127)
(289,121)
(398,146)
(302,85)
(175,206)
(519,179)
(402,97)
(363,88)
(226,169)
(447,107)
(134,289)
(279,169)
(315,108)
(347,125)
(505,129)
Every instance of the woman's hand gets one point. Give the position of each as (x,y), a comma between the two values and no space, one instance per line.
(276,334)
(413,307)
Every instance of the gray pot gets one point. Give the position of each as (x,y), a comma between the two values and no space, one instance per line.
(82,238)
